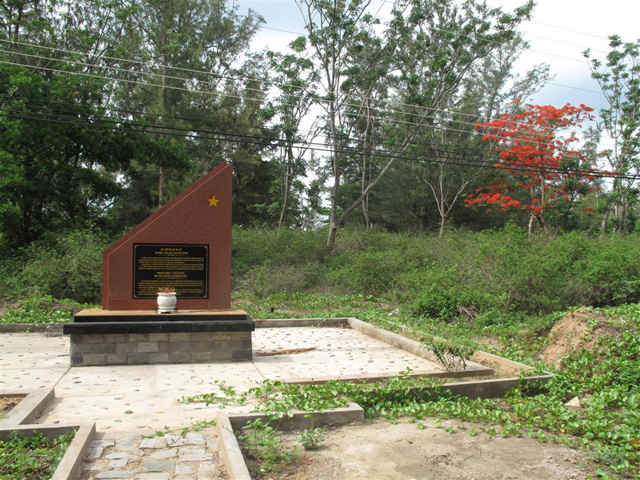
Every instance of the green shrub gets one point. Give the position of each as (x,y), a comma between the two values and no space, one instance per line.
(371,272)
(69,266)
(258,247)
(450,303)
(490,271)
(271,279)
(611,271)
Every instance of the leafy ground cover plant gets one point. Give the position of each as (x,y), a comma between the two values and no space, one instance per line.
(312,437)
(34,458)
(41,310)
(264,448)
(605,377)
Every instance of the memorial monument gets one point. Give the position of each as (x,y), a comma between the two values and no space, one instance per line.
(183,248)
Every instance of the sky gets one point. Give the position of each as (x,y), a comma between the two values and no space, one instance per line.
(559,31)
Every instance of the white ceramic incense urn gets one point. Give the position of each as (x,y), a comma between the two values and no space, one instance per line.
(167,302)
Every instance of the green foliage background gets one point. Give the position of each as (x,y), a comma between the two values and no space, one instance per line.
(480,274)
(487,271)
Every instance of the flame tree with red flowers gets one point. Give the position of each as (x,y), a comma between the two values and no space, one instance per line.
(543,168)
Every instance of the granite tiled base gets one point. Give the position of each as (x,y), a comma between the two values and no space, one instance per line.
(158,348)
(114,337)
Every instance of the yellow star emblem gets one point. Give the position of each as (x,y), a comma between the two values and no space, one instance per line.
(213,201)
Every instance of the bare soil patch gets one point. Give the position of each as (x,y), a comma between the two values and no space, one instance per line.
(573,332)
(8,402)
(380,450)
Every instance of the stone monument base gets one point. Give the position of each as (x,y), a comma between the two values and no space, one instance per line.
(112,337)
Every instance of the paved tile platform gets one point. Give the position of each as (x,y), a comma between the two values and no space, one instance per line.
(144,398)
(130,402)
(338,352)
(33,360)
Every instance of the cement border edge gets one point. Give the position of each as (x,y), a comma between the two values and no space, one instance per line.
(413,347)
(70,466)
(55,328)
(28,408)
(230,448)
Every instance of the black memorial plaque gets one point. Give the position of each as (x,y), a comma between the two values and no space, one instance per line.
(185,268)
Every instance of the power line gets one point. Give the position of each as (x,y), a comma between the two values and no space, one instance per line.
(262,91)
(142,63)
(404,122)
(569,30)
(226,95)
(466,162)
(264,27)
(442,30)
(583,48)
(216,75)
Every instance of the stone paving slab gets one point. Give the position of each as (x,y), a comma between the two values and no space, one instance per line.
(31,361)
(171,456)
(144,398)
(128,402)
(337,352)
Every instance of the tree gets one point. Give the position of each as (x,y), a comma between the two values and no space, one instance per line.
(334,30)
(294,77)
(442,48)
(62,151)
(60,154)
(619,80)
(184,57)
(430,46)
(541,167)
(487,92)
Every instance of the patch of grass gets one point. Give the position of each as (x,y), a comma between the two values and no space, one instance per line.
(45,309)
(303,304)
(35,458)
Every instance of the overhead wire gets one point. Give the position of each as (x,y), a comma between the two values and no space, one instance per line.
(395,120)
(216,75)
(261,80)
(240,97)
(192,129)
(488,41)
(258,140)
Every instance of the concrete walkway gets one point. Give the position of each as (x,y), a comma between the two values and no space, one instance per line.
(129,404)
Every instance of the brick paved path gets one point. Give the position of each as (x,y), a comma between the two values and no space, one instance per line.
(193,456)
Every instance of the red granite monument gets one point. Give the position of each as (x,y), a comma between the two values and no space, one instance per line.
(185,247)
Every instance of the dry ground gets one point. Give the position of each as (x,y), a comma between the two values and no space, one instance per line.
(380,450)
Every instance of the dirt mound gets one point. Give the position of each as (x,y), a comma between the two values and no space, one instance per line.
(574,331)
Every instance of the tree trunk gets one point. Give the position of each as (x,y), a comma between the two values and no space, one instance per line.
(288,174)
(366,166)
(363,186)
(335,191)
(162,174)
(333,216)
(162,179)
(443,221)
(605,220)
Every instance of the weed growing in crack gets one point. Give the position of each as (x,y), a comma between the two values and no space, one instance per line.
(262,444)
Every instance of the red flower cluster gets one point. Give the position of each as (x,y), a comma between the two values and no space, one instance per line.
(537,159)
